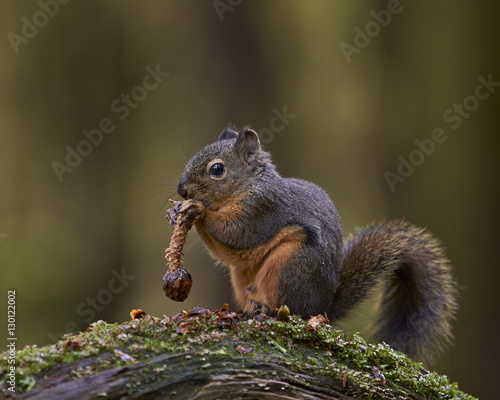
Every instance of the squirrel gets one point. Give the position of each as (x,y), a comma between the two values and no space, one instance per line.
(282,240)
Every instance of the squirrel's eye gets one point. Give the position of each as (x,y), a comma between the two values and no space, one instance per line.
(217,171)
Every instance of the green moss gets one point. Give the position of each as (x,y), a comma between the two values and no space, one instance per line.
(326,351)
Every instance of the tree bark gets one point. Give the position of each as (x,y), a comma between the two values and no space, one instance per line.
(220,355)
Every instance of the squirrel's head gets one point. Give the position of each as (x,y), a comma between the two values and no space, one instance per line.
(227,168)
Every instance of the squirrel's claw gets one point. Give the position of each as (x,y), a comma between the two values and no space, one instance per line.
(191,208)
(253,308)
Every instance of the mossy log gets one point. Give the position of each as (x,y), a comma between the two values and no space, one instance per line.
(202,354)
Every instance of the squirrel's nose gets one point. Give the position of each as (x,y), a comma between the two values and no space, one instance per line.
(181,191)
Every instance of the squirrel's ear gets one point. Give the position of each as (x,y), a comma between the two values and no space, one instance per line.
(227,134)
(248,141)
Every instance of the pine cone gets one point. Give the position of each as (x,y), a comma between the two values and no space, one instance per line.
(177,281)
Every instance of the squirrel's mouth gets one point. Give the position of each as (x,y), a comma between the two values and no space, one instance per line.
(185,194)
(181,189)
(213,201)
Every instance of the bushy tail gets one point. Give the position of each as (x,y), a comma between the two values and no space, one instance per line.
(419,299)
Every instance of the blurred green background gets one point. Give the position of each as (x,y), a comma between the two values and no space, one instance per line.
(363,81)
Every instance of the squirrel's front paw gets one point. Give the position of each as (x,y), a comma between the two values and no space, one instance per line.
(193,210)
(253,307)
(189,209)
